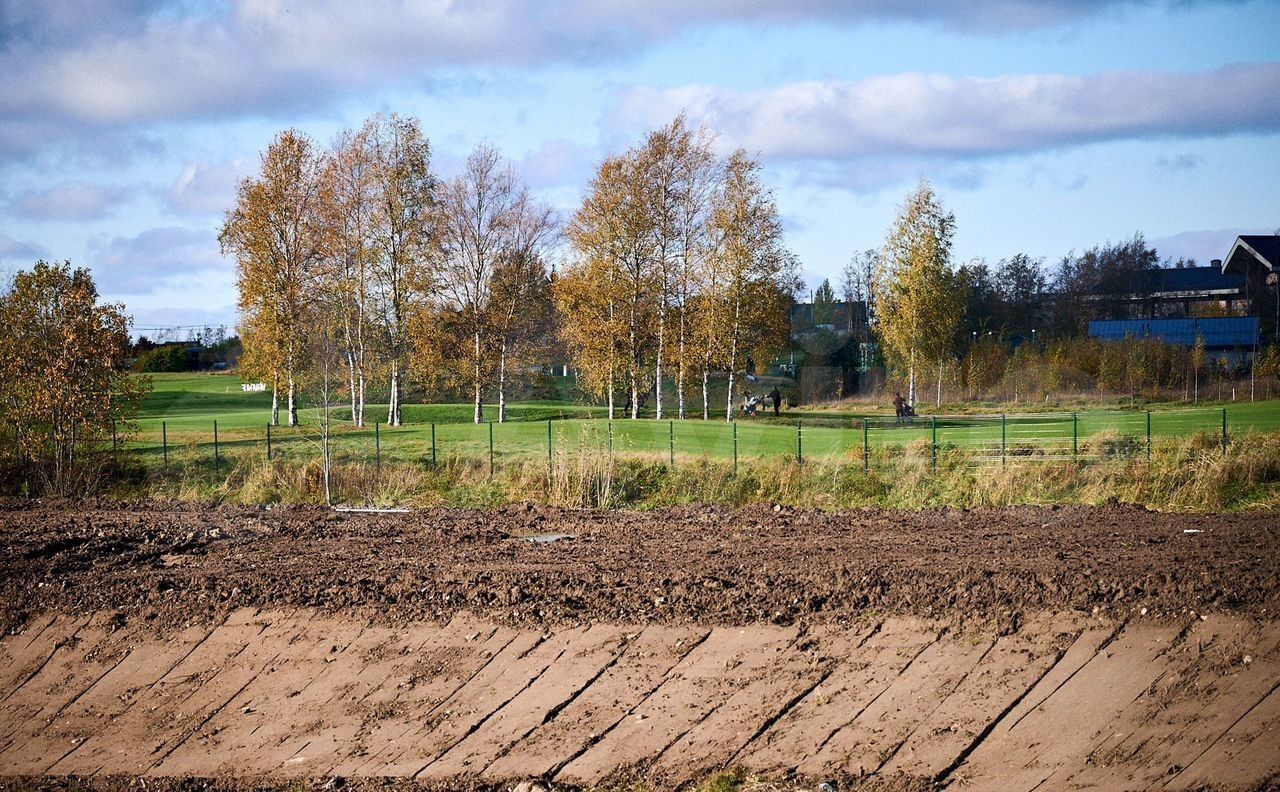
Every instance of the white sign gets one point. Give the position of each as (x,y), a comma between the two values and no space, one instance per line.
(251,387)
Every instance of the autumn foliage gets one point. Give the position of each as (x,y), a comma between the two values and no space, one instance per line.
(65,390)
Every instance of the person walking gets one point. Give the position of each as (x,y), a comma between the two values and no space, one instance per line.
(899,406)
(776,396)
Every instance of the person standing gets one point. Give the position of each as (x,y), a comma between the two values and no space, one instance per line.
(776,396)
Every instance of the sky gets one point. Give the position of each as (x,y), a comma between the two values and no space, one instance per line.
(1046,126)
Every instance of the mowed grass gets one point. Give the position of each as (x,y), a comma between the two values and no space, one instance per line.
(188,404)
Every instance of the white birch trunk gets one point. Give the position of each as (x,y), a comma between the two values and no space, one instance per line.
(657,377)
(611,392)
(393,409)
(275,400)
(502,383)
(911,381)
(475,373)
(360,385)
(680,367)
(733,355)
(634,359)
(706,391)
(293,402)
(939,402)
(351,385)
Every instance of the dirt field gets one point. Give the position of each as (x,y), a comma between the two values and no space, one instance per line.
(1016,649)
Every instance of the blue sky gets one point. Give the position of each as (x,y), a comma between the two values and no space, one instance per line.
(1046,126)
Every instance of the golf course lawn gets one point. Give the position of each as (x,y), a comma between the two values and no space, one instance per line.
(182,408)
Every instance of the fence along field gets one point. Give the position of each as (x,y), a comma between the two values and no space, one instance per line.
(209,419)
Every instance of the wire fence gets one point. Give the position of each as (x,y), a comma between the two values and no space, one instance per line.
(872,442)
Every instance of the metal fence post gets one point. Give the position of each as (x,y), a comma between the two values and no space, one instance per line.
(491,449)
(268,442)
(377,449)
(866,447)
(217,463)
(1148,435)
(549,463)
(164,442)
(799,442)
(1003,439)
(115,445)
(1224,429)
(735,448)
(433,444)
(1075,435)
(671,443)
(933,421)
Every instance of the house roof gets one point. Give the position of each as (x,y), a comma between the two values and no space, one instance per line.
(1175,284)
(1188,279)
(1253,248)
(1218,332)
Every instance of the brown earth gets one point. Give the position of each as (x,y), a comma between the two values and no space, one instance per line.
(1072,648)
(177,566)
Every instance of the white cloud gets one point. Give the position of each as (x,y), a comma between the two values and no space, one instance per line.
(65,72)
(559,163)
(931,114)
(16,253)
(71,201)
(203,188)
(158,258)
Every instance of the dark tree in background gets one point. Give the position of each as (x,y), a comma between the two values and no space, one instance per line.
(824,304)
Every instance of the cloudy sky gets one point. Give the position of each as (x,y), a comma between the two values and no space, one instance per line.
(1046,125)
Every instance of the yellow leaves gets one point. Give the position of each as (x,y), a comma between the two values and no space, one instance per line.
(669,235)
(920,302)
(63,378)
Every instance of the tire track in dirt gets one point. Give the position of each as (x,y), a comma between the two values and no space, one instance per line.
(647,661)
(471,700)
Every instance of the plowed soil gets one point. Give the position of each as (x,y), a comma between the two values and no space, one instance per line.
(1073,648)
(175,567)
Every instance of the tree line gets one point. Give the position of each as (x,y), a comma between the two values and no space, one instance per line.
(925,312)
(674,267)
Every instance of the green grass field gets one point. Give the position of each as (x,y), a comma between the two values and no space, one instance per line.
(181,411)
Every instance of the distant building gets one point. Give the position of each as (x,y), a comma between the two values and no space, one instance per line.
(1256,258)
(1222,333)
(833,358)
(1178,293)
(846,317)
(1254,254)
(1230,305)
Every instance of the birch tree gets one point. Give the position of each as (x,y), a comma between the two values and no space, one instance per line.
(521,316)
(919,301)
(613,229)
(679,169)
(404,232)
(757,274)
(586,298)
(480,218)
(276,236)
(350,256)
(857,280)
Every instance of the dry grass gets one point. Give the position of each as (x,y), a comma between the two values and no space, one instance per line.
(1186,474)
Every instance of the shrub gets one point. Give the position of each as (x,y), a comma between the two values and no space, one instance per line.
(164,359)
